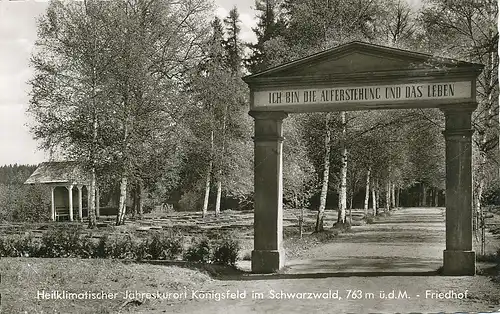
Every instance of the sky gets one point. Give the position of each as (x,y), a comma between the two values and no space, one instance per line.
(17,38)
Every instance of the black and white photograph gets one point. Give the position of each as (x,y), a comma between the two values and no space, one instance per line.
(249,156)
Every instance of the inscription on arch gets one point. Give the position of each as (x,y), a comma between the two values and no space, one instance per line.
(363,94)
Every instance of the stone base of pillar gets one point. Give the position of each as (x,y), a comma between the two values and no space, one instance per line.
(267,261)
(459,263)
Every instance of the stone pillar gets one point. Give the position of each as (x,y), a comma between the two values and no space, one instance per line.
(459,258)
(52,204)
(80,213)
(70,191)
(268,254)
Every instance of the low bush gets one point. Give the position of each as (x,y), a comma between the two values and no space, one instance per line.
(326,236)
(342,226)
(24,203)
(120,247)
(384,213)
(490,258)
(100,249)
(369,219)
(7,247)
(65,242)
(491,196)
(19,246)
(199,251)
(160,246)
(226,252)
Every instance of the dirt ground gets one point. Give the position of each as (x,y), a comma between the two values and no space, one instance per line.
(387,267)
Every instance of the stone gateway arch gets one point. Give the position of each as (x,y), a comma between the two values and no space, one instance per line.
(362,76)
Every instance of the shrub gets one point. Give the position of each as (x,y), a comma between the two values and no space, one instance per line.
(174,246)
(189,201)
(155,246)
(141,250)
(100,248)
(52,244)
(226,252)
(65,242)
(19,246)
(120,248)
(26,203)
(86,248)
(491,194)
(62,242)
(199,251)
(343,227)
(326,235)
(384,213)
(370,219)
(160,246)
(7,248)
(490,258)
(72,242)
(31,247)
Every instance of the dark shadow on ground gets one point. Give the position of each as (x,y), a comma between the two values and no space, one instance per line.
(279,276)
(229,273)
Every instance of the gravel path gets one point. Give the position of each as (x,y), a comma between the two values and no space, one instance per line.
(386,267)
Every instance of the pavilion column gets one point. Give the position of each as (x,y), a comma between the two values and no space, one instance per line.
(268,254)
(70,194)
(80,213)
(459,258)
(52,204)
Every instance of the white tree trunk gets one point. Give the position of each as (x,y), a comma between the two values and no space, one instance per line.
(343,171)
(398,193)
(122,205)
(140,195)
(393,195)
(367,190)
(97,201)
(92,200)
(219,192)
(209,175)
(220,164)
(326,174)
(135,199)
(388,196)
(91,208)
(374,199)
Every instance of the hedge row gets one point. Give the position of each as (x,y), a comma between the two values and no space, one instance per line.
(156,246)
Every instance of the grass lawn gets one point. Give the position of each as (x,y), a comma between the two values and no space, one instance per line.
(23,278)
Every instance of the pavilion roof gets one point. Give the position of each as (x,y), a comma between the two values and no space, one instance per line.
(59,172)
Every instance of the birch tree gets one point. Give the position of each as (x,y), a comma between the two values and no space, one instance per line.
(223,126)
(156,43)
(468,31)
(100,95)
(71,63)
